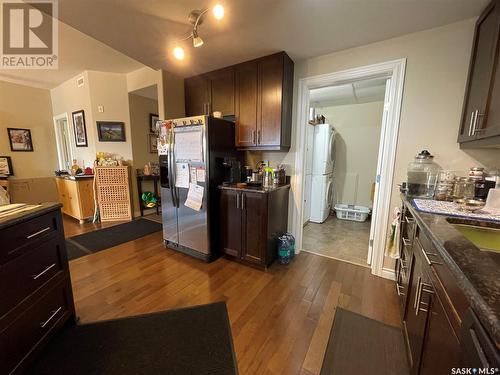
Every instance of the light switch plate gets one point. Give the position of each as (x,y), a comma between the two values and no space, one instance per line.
(100,108)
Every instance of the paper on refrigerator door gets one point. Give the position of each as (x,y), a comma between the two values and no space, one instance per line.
(189,146)
(194,197)
(200,174)
(193,175)
(182,175)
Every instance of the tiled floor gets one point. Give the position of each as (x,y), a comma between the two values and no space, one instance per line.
(339,239)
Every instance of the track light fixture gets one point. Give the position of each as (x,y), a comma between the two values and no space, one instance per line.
(196,19)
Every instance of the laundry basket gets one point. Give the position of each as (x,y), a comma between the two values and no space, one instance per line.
(351,212)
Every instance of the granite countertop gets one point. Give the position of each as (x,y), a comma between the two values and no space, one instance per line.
(477,272)
(254,189)
(13,219)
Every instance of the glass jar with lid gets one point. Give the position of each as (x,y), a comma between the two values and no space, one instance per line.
(422,175)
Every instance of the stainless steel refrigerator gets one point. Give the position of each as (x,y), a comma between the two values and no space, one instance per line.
(200,144)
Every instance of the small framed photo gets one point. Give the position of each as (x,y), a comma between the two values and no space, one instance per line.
(80,128)
(20,139)
(109,131)
(153,143)
(152,122)
(6,166)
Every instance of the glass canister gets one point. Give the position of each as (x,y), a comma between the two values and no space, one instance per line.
(422,176)
(464,188)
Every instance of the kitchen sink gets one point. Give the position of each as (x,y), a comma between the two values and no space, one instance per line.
(485,238)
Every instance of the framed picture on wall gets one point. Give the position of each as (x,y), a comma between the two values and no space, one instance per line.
(153,143)
(110,131)
(80,128)
(152,122)
(20,139)
(6,166)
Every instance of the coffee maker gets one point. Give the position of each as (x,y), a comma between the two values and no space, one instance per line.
(232,170)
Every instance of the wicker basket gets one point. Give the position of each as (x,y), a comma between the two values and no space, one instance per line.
(113,193)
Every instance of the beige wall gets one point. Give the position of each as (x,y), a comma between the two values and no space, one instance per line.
(356,150)
(109,90)
(140,108)
(68,98)
(28,107)
(436,73)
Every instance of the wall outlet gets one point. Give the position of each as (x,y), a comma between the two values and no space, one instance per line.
(100,109)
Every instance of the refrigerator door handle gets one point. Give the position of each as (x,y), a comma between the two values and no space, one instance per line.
(170,169)
(174,176)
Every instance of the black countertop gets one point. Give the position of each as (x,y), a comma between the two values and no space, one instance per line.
(13,219)
(254,189)
(477,272)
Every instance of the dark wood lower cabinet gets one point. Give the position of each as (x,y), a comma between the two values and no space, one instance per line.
(251,223)
(441,331)
(35,293)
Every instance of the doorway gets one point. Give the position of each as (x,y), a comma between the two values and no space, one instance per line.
(393,74)
(63,141)
(341,168)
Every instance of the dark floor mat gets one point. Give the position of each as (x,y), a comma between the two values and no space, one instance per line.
(74,251)
(359,345)
(108,237)
(193,340)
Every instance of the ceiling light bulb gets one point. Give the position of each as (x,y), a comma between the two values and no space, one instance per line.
(179,53)
(197,41)
(218,11)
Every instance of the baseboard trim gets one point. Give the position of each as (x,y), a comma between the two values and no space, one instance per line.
(388,273)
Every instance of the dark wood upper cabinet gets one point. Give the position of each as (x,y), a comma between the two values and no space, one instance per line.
(480,126)
(246,104)
(196,95)
(221,89)
(257,92)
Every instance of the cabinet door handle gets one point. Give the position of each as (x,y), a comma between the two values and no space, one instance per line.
(475,130)
(427,288)
(44,271)
(38,233)
(258,137)
(399,288)
(54,313)
(254,141)
(409,220)
(238,200)
(471,122)
(406,241)
(426,256)
(243,201)
(417,293)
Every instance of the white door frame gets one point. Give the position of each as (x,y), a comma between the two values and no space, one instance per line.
(58,141)
(387,156)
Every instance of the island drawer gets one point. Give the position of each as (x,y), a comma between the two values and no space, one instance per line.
(31,270)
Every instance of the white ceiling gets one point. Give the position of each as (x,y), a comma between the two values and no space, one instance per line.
(150,92)
(359,92)
(77,52)
(146,29)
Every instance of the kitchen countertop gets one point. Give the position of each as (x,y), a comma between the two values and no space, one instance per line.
(477,272)
(13,219)
(74,178)
(254,189)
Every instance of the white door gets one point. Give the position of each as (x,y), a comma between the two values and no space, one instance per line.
(63,142)
(379,169)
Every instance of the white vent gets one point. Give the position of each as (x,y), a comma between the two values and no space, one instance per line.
(80,81)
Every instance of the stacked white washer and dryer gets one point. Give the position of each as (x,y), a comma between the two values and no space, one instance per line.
(321,185)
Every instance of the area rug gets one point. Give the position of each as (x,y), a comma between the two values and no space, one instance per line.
(359,345)
(101,239)
(195,340)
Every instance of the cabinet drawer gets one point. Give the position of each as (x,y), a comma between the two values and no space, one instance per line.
(17,238)
(28,272)
(19,338)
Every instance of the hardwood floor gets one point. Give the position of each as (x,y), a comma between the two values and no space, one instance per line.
(280,318)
